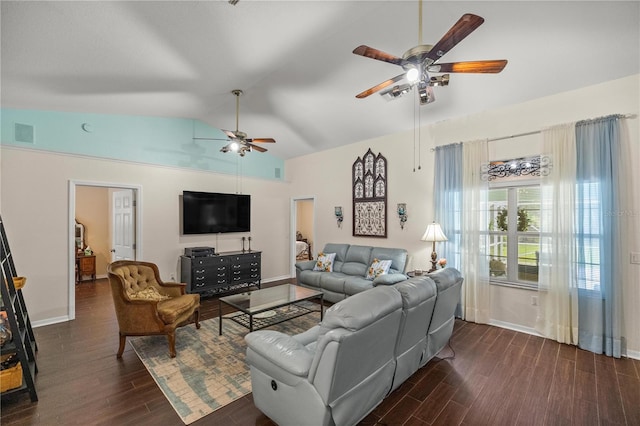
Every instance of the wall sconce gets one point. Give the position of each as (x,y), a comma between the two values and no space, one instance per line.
(402,214)
(339,217)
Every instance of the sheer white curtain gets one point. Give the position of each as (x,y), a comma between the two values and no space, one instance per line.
(476,302)
(557,281)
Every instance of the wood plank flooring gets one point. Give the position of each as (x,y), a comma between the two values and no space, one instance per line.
(498,377)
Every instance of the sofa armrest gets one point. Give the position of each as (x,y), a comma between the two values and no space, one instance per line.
(389,279)
(309,336)
(281,350)
(307,265)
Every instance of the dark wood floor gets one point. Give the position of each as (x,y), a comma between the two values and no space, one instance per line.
(498,377)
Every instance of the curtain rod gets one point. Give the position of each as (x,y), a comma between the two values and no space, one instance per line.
(534,132)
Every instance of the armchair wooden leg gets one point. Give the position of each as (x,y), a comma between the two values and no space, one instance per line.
(123,340)
(171,337)
(196,318)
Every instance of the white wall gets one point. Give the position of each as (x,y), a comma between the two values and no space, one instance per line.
(327,175)
(34,196)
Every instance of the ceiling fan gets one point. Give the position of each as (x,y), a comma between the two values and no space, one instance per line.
(423,59)
(240,143)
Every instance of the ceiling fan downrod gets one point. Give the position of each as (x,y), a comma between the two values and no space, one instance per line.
(419,22)
(237,93)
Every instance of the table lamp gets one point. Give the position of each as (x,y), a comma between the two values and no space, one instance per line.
(434,233)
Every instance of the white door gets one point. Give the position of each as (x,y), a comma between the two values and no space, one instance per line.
(123,220)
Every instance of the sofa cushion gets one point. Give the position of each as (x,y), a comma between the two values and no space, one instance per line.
(377,268)
(353,285)
(170,310)
(324,262)
(333,282)
(357,261)
(341,252)
(397,256)
(359,254)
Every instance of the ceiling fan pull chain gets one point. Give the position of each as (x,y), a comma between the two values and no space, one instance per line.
(419,139)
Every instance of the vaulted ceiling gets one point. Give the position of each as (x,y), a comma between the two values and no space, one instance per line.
(294,60)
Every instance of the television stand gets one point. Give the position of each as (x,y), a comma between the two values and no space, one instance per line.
(222,273)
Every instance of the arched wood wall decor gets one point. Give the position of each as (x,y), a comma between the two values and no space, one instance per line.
(369,185)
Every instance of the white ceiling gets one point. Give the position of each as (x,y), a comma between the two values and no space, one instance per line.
(293,60)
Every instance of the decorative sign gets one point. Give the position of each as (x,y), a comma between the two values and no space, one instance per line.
(369,184)
(531,166)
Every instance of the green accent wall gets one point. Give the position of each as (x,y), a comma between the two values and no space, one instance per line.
(143,139)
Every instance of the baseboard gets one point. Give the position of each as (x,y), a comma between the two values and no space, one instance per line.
(280,278)
(49,321)
(633,354)
(533,332)
(515,327)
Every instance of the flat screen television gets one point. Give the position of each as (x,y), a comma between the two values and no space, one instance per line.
(213,213)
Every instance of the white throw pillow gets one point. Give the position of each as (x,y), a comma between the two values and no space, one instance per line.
(324,262)
(377,268)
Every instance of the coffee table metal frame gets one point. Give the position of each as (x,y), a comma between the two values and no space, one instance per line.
(256,302)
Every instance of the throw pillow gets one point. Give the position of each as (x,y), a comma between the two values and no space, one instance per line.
(324,262)
(377,268)
(149,293)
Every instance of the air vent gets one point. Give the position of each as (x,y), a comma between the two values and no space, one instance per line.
(277,172)
(24,133)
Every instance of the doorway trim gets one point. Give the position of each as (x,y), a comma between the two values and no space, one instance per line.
(137,190)
(294,226)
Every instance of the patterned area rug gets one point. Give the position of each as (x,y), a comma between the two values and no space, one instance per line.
(209,370)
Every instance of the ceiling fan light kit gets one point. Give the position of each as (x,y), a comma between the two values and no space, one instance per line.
(418,61)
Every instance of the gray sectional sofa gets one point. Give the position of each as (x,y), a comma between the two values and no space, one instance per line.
(350,269)
(365,347)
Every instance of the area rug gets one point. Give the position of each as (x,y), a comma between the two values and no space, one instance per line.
(209,370)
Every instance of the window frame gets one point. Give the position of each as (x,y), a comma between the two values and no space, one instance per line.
(512,185)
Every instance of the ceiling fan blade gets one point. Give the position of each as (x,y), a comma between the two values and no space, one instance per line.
(261,140)
(257,147)
(492,66)
(229,133)
(380,86)
(465,26)
(372,53)
(210,139)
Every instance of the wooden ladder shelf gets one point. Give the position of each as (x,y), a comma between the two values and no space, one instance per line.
(23,343)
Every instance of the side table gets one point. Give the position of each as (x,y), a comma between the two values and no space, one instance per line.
(85,265)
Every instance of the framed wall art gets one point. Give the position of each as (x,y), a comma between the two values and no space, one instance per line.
(369,185)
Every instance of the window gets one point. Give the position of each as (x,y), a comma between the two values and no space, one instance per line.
(514,233)
(589,234)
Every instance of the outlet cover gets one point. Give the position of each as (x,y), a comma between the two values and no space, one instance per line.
(635,258)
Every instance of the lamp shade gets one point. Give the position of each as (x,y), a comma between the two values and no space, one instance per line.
(434,233)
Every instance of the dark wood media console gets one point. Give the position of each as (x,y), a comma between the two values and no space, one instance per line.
(221,273)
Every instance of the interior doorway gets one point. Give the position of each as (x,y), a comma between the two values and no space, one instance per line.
(302,230)
(108,214)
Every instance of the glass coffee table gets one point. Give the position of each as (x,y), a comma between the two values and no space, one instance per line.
(259,308)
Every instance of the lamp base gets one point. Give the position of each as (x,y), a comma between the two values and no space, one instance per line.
(434,261)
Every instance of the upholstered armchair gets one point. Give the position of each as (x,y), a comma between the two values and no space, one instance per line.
(145,305)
